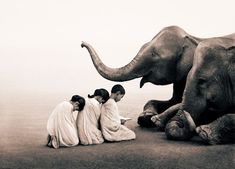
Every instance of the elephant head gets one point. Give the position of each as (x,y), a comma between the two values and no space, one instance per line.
(210,83)
(161,61)
(209,91)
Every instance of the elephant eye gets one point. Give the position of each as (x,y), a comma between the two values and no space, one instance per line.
(202,82)
(154,53)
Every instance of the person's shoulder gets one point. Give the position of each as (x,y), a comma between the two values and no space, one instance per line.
(87,99)
(65,103)
(109,102)
(90,100)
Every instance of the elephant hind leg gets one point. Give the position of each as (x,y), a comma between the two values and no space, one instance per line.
(144,119)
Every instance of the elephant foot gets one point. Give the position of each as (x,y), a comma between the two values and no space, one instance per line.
(159,124)
(204,132)
(144,119)
(220,131)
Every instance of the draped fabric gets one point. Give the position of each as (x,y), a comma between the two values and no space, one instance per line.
(88,123)
(111,124)
(61,124)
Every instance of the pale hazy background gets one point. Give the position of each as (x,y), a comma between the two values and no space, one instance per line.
(40,40)
(42,63)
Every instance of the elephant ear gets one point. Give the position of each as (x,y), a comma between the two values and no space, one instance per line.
(190,40)
(231,55)
(231,67)
(185,60)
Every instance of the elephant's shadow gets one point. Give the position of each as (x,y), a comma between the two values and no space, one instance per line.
(160,136)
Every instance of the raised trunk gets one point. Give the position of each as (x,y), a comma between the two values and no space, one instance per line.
(128,72)
(192,102)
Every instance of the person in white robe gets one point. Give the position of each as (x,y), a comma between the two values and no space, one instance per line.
(88,119)
(61,125)
(110,120)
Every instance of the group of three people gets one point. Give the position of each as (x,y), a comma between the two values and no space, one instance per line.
(97,120)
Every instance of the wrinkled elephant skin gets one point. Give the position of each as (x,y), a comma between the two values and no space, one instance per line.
(220,131)
(209,93)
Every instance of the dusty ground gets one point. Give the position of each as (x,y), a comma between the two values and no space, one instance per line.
(23,134)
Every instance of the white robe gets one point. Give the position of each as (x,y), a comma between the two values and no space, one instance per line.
(61,124)
(88,123)
(111,126)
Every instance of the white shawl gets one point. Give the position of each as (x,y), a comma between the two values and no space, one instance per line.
(61,124)
(88,123)
(111,124)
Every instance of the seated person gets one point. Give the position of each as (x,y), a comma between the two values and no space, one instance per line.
(88,119)
(61,124)
(110,121)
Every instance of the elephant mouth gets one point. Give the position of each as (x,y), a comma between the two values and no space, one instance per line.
(146,78)
(213,107)
(142,82)
(152,79)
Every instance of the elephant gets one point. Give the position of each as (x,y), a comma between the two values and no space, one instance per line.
(166,59)
(209,95)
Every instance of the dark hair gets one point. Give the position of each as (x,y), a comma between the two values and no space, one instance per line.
(80,99)
(118,88)
(97,92)
(102,93)
(105,95)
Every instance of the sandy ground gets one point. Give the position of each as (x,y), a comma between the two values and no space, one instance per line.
(23,138)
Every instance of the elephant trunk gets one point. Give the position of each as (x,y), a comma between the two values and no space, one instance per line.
(193,102)
(130,71)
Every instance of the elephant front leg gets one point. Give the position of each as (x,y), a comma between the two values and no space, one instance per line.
(180,127)
(160,120)
(220,131)
(144,119)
